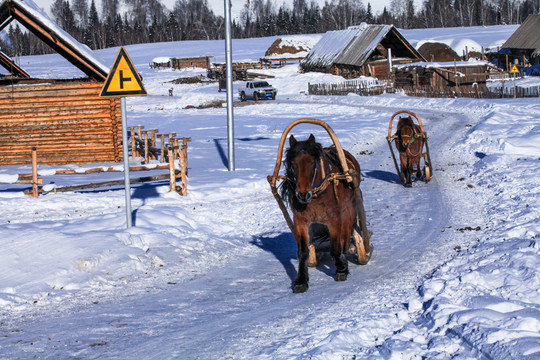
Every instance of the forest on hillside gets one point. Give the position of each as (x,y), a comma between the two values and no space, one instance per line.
(125,22)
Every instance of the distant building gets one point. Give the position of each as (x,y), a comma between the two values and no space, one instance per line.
(160,62)
(191,62)
(523,46)
(289,49)
(360,50)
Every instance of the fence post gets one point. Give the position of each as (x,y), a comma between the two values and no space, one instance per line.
(183,168)
(35,192)
(172,173)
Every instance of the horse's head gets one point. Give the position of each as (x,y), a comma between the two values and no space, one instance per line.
(301,162)
(406,131)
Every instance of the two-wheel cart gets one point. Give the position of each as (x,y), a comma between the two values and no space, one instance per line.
(360,234)
(428,167)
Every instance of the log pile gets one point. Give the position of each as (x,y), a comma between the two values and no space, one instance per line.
(66,120)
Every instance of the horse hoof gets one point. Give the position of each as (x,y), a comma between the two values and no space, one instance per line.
(408,185)
(341,277)
(300,288)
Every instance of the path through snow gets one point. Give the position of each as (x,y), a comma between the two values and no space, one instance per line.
(242,306)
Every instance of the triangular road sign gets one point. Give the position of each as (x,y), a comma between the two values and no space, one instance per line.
(514,69)
(123,79)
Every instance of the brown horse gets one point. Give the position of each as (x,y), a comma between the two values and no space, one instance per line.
(319,203)
(410,142)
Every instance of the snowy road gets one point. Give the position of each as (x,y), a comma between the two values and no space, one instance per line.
(243,307)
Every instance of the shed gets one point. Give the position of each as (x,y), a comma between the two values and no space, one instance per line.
(290,48)
(65,119)
(360,50)
(191,62)
(160,62)
(524,44)
(442,75)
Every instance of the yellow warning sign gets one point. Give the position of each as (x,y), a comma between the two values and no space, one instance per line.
(514,69)
(123,79)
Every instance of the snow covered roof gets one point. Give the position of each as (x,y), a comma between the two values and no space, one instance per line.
(33,18)
(161,60)
(445,64)
(295,46)
(527,36)
(355,45)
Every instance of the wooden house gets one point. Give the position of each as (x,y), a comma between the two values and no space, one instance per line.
(368,50)
(65,120)
(442,75)
(191,62)
(160,62)
(523,46)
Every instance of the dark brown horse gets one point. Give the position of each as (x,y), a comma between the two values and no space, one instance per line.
(321,199)
(409,143)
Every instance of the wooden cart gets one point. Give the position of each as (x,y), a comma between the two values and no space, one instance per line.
(428,167)
(360,234)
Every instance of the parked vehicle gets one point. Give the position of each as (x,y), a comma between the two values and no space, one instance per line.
(257,90)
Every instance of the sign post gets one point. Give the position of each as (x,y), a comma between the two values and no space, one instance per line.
(228,58)
(514,71)
(124,80)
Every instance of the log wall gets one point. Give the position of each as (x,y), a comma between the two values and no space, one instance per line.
(66,121)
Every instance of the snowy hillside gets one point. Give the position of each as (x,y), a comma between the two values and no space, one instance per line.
(453,275)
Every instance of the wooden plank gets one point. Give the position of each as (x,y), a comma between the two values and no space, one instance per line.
(30,22)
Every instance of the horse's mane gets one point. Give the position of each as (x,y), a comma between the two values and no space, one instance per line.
(405,121)
(314,149)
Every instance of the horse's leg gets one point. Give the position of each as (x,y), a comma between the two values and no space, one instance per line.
(418,170)
(302,243)
(340,238)
(403,168)
(409,167)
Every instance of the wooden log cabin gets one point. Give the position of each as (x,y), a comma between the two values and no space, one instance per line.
(65,120)
(366,50)
(191,62)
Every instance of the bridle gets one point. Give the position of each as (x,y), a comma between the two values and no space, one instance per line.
(327,177)
(413,138)
(319,167)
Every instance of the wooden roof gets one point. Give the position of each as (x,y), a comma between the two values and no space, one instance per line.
(527,35)
(355,45)
(29,15)
(13,68)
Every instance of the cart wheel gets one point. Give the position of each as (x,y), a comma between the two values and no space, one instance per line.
(360,248)
(428,172)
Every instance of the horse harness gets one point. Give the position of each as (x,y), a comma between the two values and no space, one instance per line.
(415,136)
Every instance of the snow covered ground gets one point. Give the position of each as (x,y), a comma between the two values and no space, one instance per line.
(454,272)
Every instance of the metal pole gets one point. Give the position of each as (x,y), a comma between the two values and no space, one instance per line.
(228,57)
(125,151)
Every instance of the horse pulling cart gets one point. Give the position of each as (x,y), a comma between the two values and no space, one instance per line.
(331,197)
(410,141)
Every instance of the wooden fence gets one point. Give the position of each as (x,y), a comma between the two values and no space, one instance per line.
(480,91)
(172,155)
(475,91)
(67,121)
(359,87)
